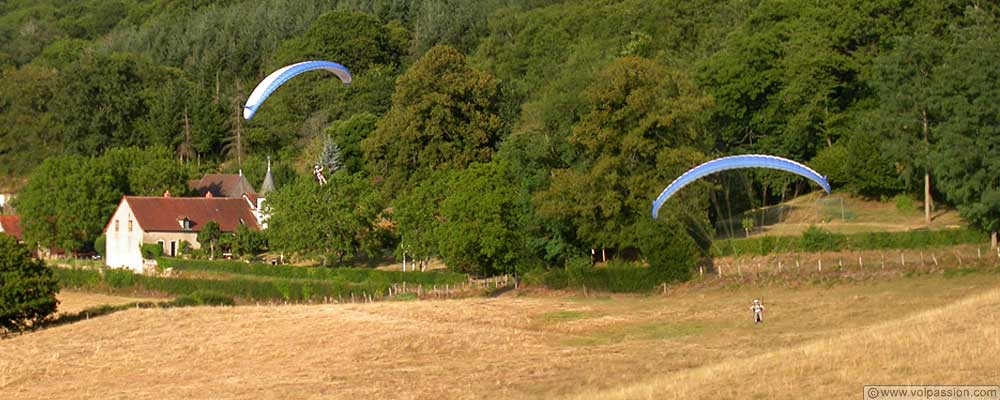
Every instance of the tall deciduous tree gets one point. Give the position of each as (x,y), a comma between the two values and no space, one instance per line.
(337,218)
(417,217)
(482,227)
(356,40)
(444,116)
(69,199)
(640,130)
(99,102)
(909,111)
(28,131)
(348,134)
(67,202)
(968,136)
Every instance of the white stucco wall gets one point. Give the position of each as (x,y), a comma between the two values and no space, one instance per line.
(122,244)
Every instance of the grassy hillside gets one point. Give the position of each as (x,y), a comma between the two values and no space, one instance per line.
(838,213)
(922,328)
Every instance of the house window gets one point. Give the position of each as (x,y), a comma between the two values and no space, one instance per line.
(130,225)
(116,225)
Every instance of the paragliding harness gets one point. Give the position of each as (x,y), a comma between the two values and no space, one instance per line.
(758,312)
(318,174)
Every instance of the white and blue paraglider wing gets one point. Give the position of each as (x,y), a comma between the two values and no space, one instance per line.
(279,77)
(737,162)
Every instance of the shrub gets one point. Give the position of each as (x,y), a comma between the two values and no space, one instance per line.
(354,275)
(238,288)
(556,279)
(27,288)
(670,250)
(151,250)
(618,276)
(533,277)
(631,278)
(203,298)
(905,204)
(817,239)
(119,278)
(101,246)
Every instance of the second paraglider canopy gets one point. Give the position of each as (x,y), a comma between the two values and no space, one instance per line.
(738,162)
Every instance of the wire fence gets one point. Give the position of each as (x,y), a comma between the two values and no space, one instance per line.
(793,263)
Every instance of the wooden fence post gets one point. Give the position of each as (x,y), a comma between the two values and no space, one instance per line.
(820,264)
(902,259)
(861,262)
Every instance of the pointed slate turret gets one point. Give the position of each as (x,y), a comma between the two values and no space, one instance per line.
(268,185)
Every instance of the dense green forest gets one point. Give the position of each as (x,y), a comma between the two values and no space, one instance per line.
(496,135)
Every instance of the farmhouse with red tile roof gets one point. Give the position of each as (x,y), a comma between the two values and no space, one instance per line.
(227,199)
(168,221)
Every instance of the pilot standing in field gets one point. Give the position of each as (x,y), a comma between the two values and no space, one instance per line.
(758,312)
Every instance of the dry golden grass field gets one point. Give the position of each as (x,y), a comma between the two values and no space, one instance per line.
(72,302)
(817,342)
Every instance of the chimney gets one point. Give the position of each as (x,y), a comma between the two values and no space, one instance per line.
(208,195)
(166,193)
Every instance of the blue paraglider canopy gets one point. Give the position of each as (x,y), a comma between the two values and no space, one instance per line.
(279,77)
(738,162)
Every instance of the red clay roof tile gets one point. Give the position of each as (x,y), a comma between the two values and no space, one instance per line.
(11,225)
(163,214)
(222,185)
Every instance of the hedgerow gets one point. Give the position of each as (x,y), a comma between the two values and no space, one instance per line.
(239,288)
(353,275)
(817,240)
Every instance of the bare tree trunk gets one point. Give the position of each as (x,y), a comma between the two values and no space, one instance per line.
(763,203)
(239,144)
(928,201)
(993,240)
(927,198)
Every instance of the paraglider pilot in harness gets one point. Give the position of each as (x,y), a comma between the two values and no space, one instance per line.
(318,174)
(758,312)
